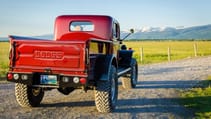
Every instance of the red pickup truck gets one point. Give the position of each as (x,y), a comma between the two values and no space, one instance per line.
(84,54)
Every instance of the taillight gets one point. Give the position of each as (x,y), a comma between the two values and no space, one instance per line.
(83,80)
(9,76)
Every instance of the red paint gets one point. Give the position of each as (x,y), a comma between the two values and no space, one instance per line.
(102,29)
(59,56)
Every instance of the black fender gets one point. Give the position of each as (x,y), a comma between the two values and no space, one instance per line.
(102,66)
(125,58)
(133,62)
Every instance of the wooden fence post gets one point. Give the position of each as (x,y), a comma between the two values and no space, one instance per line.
(195,49)
(141,54)
(169,54)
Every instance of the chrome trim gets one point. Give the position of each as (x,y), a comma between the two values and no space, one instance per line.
(100,40)
(45,86)
(124,71)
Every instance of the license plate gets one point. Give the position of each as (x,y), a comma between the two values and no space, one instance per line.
(48,79)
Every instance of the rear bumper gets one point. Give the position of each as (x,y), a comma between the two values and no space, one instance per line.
(34,80)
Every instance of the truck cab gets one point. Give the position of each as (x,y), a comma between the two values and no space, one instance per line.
(84,54)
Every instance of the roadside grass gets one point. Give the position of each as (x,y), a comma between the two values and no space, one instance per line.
(3,69)
(198,99)
(4,54)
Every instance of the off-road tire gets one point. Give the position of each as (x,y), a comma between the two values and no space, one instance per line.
(28,96)
(129,82)
(106,93)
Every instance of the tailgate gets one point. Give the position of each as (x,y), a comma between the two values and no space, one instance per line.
(39,55)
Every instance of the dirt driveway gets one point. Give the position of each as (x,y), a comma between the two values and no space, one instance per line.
(155,96)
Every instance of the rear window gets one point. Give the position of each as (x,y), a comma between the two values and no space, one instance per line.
(81,26)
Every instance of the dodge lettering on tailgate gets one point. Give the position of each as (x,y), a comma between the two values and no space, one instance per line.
(48,54)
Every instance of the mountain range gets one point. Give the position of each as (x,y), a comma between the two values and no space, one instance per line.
(189,33)
(159,33)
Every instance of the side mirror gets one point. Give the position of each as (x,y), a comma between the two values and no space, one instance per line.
(131,32)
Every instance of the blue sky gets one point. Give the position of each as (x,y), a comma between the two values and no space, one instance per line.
(36,17)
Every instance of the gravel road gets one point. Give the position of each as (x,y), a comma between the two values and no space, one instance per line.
(155,96)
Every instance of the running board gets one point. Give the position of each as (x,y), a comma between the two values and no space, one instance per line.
(123,72)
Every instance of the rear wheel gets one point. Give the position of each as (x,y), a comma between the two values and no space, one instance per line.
(131,81)
(106,92)
(28,96)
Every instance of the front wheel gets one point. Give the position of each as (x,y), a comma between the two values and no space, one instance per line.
(131,81)
(28,96)
(106,92)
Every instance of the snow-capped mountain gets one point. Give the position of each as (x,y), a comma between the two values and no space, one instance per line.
(197,32)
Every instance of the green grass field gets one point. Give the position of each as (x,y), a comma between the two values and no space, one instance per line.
(155,51)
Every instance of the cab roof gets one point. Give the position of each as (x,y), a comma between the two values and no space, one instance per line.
(102,27)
